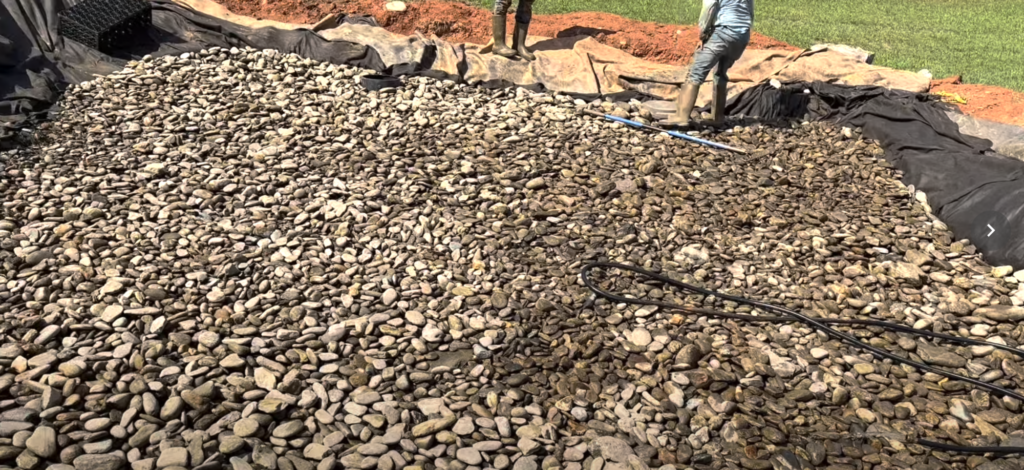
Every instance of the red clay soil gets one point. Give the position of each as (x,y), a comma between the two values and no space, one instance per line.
(667,44)
(985,102)
(458,22)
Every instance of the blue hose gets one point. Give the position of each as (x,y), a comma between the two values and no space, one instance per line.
(675,134)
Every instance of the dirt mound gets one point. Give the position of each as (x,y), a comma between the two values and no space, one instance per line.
(458,22)
(288,11)
(983,101)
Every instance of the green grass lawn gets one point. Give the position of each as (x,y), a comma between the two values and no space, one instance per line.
(981,40)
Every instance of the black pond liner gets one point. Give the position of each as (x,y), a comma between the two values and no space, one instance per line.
(976,192)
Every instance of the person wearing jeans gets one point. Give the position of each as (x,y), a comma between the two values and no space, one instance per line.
(724,34)
(524,13)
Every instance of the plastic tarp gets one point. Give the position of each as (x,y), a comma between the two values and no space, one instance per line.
(977,192)
(583,65)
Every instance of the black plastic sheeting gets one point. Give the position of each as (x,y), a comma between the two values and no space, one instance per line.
(978,193)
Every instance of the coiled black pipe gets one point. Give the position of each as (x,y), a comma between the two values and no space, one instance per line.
(821,324)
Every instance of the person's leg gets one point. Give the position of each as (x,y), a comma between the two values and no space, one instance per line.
(498,28)
(737,42)
(703,61)
(524,13)
(706,59)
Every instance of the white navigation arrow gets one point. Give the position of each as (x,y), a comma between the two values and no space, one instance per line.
(991,230)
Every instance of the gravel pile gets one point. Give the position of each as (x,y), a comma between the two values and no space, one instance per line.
(242,259)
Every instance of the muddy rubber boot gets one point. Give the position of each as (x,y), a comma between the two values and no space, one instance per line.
(499,38)
(519,41)
(684,106)
(718,98)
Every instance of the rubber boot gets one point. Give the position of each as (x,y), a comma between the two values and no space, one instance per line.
(718,98)
(519,41)
(500,48)
(684,105)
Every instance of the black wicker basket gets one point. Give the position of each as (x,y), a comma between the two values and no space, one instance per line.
(106,25)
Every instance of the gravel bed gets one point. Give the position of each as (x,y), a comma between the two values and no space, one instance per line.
(242,259)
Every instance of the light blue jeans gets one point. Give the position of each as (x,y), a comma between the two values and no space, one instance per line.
(723,49)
